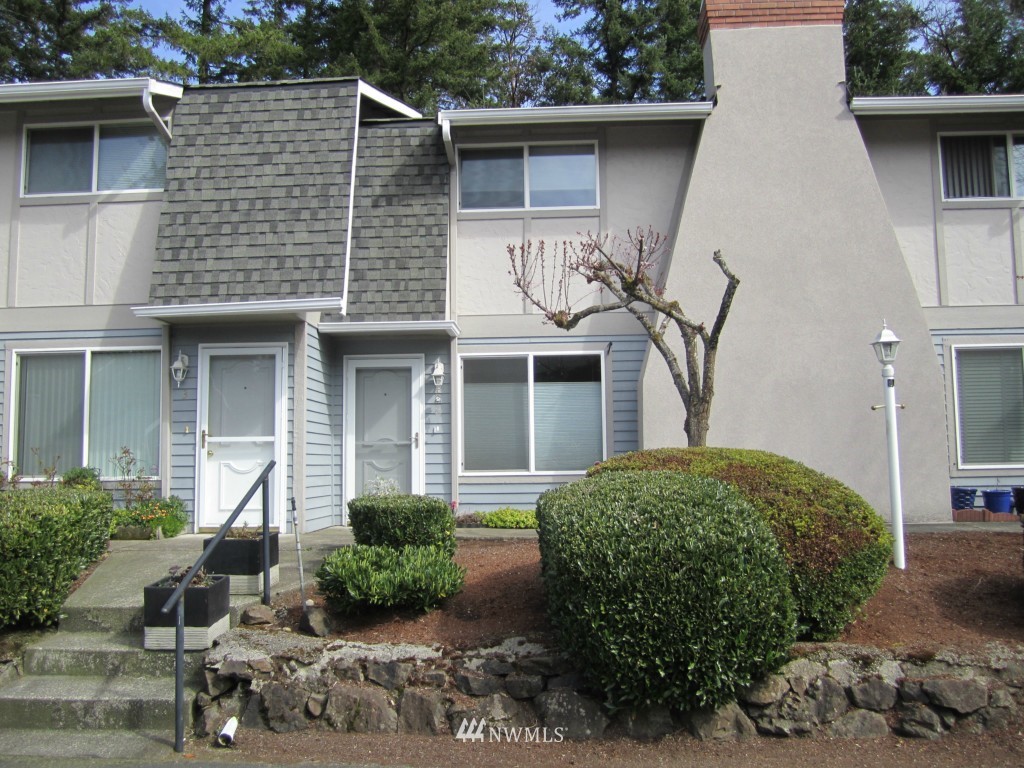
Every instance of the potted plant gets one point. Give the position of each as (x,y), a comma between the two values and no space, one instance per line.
(207,604)
(240,555)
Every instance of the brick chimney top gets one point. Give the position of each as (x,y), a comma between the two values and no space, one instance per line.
(743,14)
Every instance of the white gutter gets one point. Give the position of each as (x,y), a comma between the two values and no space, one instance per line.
(448,327)
(446,137)
(71,90)
(610,113)
(242,308)
(936,105)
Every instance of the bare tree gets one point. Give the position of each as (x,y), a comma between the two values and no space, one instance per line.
(629,269)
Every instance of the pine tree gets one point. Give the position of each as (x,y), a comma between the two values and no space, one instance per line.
(880,59)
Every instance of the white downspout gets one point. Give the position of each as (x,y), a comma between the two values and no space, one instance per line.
(351,197)
(147,105)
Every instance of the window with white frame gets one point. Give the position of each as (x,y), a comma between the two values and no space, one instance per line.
(990,405)
(532,413)
(94,158)
(80,408)
(528,176)
(982,166)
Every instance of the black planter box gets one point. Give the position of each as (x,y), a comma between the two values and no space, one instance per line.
(242,559)
(206,614)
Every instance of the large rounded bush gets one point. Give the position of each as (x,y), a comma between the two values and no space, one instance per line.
(836,546)
(664,588)
(401,520)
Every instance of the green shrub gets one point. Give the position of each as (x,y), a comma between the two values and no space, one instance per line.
(358,577)
(47,536)
(400,520)
(86,478)
(506,517)
(665,589)
(837,548)
(168,515)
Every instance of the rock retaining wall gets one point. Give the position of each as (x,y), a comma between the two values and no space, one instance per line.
(286,682)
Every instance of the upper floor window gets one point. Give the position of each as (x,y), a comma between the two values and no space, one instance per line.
(990,406)
(990,165)
(94,158)
(537,176)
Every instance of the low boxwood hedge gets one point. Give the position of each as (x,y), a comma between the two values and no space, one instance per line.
(836,546)
(400,520)
(664,588)
(47,536)
(358,577)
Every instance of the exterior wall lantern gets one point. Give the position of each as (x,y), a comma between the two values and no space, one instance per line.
(179,368)
(885,346)
(437,376)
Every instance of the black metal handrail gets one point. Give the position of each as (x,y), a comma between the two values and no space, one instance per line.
(178,596)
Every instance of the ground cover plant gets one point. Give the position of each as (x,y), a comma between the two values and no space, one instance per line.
(507,517)
(837,548)
(669,589)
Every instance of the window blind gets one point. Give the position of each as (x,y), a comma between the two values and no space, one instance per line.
(990,406)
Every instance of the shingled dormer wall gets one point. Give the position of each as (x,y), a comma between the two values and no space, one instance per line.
(256,206)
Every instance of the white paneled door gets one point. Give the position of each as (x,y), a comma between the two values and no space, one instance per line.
(384,423)
(240,428)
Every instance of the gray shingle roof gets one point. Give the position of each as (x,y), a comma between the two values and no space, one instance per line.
(257,194)
(400,223)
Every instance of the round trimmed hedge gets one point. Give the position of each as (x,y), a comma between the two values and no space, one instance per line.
(400,520)
(667,589)
(837,548)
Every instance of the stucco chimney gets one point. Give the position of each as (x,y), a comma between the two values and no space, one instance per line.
(743,14)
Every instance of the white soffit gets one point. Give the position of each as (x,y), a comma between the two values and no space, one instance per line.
(936,105)
(396,327)
(594,113)
(71,90)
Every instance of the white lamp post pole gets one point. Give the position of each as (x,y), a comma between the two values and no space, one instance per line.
(885,348)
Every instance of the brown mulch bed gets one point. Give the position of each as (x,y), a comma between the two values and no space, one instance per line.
(960,590)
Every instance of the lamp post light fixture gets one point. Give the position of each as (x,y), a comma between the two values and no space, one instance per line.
(885,346)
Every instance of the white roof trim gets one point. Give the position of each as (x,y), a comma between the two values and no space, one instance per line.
(449,327)
(271,307)
(594,113)
(365,89)
(14,93)
(936,105)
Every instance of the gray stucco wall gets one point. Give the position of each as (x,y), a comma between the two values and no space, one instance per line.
(783,185)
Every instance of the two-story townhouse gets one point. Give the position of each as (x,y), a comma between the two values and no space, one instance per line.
(84,165)
(326,274)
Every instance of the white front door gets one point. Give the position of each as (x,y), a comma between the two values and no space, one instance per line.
(384,423)
(240,427)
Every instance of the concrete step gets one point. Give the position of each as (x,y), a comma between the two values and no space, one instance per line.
(71,702)
(107,655)
(124,616)
(72,748)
